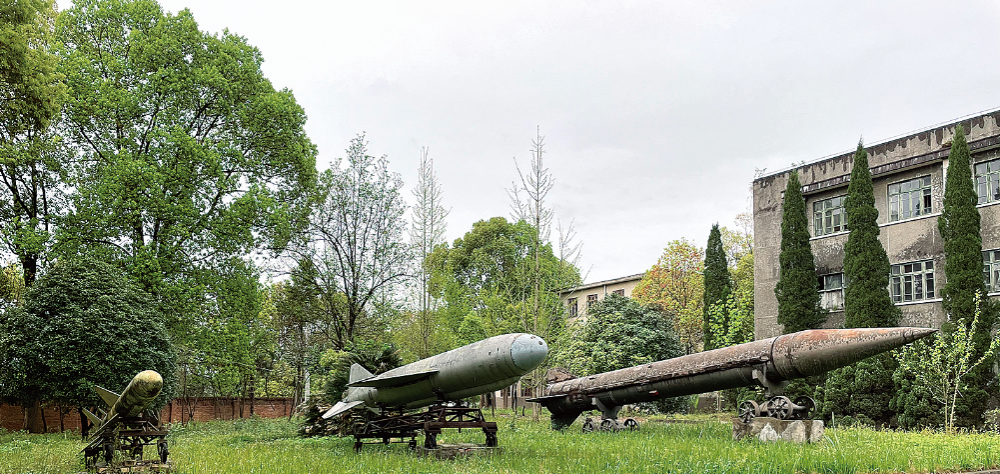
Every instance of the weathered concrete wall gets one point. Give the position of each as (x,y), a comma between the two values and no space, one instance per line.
(920,154)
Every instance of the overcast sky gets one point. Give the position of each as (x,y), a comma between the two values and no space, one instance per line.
(655,114)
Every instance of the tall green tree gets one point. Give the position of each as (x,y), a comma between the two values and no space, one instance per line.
(718,284)
(355,237)
(621,332)
(85,322)
(31,93)
(959,225)
(676,285)
(797,290)
(185,156)
(864,389)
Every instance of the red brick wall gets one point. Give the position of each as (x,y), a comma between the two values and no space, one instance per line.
(12,417)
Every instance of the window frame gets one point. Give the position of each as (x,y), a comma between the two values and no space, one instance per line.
(823,218)
(991,270)
(825,289)
(923,206)
(986,176)
(906,279)
(591,299)
(573,307)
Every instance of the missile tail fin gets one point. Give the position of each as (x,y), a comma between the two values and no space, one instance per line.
(108,396)
(339,408)
(359,373)
(92,417)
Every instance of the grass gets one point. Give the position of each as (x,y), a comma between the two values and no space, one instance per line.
(270,446)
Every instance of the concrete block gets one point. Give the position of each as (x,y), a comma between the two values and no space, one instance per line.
(769,429)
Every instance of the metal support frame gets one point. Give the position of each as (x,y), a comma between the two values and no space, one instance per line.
(129,439)
(397,428)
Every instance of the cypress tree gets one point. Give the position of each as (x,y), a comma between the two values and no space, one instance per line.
(798,285)
(867,302)
(959,225)
(718,282)
(864,390)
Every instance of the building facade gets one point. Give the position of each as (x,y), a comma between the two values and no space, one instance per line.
(576,300)
(908,174)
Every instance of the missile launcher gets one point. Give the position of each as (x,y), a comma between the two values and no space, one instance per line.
(770,363)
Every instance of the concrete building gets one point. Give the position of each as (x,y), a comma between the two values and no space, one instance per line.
(576,300)
(908,174)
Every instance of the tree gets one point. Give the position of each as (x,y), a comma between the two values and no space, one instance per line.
(485,281)
(31,93)
(865,388)
(718,283)
(621,332)
(355,237)
(84,323)
(866,267)
(797,288)
(426,232)
(959,225)
(676,285)
(185,156)
(939,365)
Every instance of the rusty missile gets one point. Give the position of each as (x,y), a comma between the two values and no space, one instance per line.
(770,363)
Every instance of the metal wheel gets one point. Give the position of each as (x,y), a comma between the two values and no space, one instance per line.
(357,445)
(631,424)
(412,444)
(608,424)
(808,404)
(491,440)
(430,440)
(779,407)
(588,425)
(747,411)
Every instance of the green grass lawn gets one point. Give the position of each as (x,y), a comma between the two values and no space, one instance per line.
(270,446)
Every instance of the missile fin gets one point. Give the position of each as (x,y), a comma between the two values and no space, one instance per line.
(93,418)
(339,408)
(108,396)
(359,373)
(394,381)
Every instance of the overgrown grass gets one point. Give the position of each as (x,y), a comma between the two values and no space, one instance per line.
(270,446)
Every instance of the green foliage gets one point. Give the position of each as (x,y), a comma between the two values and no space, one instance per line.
(939,366)
(186,155)
(797,292)
(676,285)
(31,88)
(355,239)
(84,323)
(864,390)
(866,267)
(486,283)
(959,225)
(621,333)
(718,283)
(373,356)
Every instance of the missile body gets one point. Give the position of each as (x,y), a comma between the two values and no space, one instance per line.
(474,369)
(136,397)
(768,362)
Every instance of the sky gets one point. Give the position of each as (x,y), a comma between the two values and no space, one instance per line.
(656,114)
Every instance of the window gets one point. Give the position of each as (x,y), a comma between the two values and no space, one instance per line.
(829,216)
(831,291)
(571,303)
(591,299)
(618,292)
(912,281)
(991,270)
(988,181)
(910,198)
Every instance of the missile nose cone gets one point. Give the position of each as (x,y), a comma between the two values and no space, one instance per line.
(148,383)
(527,351)
(816,351)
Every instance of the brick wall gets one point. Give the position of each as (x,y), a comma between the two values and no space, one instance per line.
(13,417)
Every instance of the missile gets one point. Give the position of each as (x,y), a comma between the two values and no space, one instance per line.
(474,369)
(138,395)
(770,363)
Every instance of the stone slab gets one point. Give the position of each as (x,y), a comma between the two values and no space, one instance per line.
(452,451)
(767,429)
